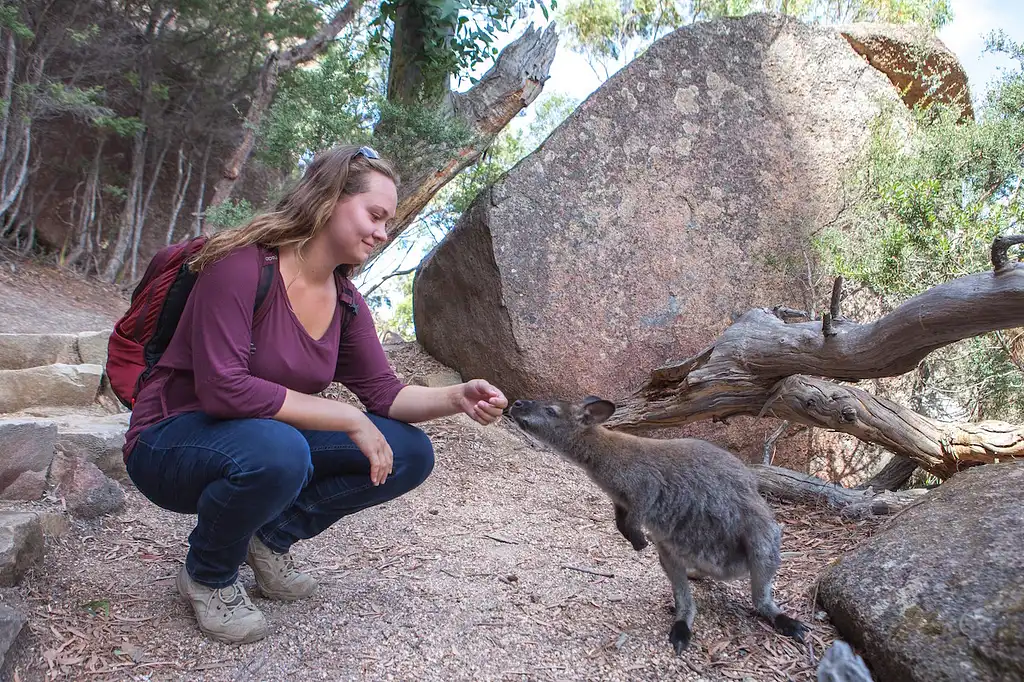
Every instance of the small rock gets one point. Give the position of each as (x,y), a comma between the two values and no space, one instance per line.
(26,451)
(433,512)
(11,623)
(54,525)
(92,347)
(21,545)
(87,492)
(29,485)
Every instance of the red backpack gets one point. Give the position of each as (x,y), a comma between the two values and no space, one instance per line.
(142,334)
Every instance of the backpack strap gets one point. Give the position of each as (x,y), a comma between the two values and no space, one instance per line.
(347,298)
(268,269)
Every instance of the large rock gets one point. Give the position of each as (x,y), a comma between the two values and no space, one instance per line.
(21,351)
(918,64)
(21,545)
(685,190)
(938,595)
(26,451)
(56,385)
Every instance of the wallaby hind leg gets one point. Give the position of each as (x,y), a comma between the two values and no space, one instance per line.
(765,562)
(686,610)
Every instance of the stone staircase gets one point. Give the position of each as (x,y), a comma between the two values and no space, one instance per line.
(61,429)
(61,432)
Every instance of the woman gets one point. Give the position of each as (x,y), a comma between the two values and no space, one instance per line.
(228,425)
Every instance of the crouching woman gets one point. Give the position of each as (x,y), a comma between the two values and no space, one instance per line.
(228,425)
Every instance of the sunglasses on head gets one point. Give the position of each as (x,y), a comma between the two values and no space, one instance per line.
(368,152)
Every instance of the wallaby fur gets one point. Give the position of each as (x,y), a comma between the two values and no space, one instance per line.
(698,502)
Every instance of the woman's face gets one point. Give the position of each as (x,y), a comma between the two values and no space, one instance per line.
(358,222)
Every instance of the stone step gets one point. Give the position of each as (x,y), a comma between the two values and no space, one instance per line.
(24,351)
(29,440)
(58,385)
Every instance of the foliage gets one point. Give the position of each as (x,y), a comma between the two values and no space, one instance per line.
(456,34)
(230,214)
(318,106)
(925,204)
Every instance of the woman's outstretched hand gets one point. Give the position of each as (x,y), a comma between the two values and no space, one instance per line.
(482,401)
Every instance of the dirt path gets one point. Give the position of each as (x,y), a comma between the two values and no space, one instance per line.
(38,298)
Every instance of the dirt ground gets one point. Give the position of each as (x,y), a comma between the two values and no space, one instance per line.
(473,576)
(35,298)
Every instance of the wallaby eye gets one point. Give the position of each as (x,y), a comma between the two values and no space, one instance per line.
(551,410)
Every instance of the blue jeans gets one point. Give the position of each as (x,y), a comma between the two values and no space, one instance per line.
(262,476)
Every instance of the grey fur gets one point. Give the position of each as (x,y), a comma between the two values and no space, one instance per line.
(698,503)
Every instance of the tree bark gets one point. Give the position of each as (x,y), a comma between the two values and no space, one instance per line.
(896,472)
(759,366)
(796,487)
(274,65)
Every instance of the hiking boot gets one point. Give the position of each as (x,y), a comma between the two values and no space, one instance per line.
(276,573)
(226,614)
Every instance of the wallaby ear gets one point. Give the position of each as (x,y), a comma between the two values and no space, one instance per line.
(596,410)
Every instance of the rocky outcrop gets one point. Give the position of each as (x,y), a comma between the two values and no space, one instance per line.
(921,67)
(685,190)
(938,594)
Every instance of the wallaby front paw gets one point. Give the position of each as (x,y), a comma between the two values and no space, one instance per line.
(790,627)
(679,635)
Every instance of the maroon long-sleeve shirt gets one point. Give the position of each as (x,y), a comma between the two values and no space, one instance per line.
(219,363)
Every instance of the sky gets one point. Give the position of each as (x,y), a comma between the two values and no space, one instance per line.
(964,35)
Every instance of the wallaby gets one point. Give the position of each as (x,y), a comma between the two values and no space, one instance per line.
(698,502)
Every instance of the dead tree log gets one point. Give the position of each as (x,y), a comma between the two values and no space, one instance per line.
(793,486)
(765,365)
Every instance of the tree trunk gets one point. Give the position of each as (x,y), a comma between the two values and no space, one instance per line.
(125,226)
(143,211)
(201,194)
(407,82)
(178,198)
(894,475)
(88,208)
(274,65)
(758,366)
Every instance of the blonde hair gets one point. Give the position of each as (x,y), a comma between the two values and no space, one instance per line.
(306,208)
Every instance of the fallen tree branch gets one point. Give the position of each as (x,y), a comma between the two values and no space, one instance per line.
(796,487)
(760,366)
